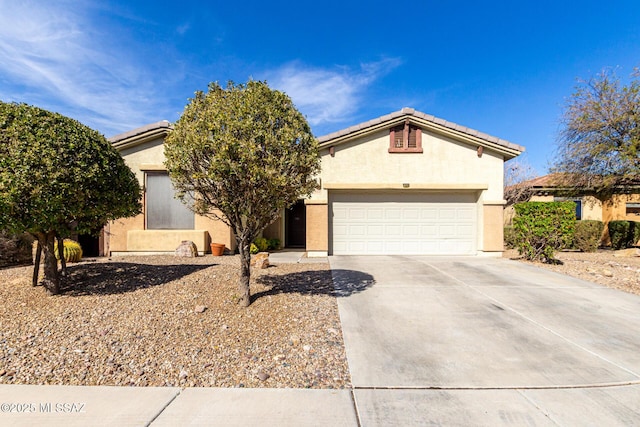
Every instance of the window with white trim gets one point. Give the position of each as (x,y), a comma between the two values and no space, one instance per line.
(163,210)
(405,138)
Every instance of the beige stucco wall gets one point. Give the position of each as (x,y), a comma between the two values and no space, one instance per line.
(591,208)
(615,209)
(444,162)
(539,198)
(317,227)
(118,232)
(150,153)
(444,165)
(493,228)
(165,240)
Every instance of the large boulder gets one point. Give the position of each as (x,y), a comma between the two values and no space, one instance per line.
(187,249)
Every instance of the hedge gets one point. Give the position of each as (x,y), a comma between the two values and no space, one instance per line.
(587,235)
(624,234)
(542,228)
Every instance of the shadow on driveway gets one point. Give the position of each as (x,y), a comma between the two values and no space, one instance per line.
(119,277)
(342,284)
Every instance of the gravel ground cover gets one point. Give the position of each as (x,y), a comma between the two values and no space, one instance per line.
(167,321)
(614,269)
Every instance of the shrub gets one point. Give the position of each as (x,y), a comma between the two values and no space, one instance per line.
(509,237)
(587,235)
(624,234)
(253,249)
(15,248)
(261,243)
(542,228)
(273,244)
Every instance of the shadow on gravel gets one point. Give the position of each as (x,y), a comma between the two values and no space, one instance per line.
(342,284)
(120,277)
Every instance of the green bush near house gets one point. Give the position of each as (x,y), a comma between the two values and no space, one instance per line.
(261,243)
(587,235)
(624,234)
(15,248)
(509,237)
(542,228)
(273,244)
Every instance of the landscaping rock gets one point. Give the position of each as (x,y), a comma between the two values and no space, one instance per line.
(631,252)
(260,260)
(187,249)
(200,308)
(133,315)
(607,273)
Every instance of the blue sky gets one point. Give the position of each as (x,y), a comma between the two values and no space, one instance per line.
(505,68)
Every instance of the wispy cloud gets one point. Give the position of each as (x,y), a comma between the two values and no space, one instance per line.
(52,55)
(328,95)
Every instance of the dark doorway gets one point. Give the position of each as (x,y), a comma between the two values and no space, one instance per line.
(90,245)
(295,232)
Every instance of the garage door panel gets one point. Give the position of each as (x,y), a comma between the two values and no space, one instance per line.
(384,224)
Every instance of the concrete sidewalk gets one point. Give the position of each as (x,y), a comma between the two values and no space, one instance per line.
(159,406)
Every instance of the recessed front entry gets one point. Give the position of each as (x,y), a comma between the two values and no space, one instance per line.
(295,226)
(404,223)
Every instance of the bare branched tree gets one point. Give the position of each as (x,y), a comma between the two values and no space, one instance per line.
(599,145)
(518,174)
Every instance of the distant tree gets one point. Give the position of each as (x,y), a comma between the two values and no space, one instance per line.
(242,154)
(517,181)
(58,177)
(599,145)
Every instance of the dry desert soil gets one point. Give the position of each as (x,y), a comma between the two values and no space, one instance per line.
(169,321)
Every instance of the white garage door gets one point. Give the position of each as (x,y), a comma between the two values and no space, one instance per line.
(403,224)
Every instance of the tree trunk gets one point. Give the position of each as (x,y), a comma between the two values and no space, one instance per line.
(51,279)
(245,274)
(36,264)
(63,262)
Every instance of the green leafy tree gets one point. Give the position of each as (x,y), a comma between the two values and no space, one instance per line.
(58,177)
(241,154)
(598,147)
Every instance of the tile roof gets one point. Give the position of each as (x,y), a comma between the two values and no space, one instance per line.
(150,128)
(427,117)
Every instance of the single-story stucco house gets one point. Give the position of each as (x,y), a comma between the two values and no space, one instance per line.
(623,205)
(404,183)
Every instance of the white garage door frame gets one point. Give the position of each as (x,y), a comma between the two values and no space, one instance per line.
(403,223)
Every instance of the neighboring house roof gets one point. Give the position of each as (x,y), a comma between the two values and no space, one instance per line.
(552,183)
(140,135)
(426,121)
(545,181)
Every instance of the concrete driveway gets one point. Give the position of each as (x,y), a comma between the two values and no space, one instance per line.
(485,341)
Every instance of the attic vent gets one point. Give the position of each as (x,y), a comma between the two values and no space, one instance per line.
(405,138)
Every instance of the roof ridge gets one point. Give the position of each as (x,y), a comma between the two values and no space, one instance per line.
(408,111)
(162,124)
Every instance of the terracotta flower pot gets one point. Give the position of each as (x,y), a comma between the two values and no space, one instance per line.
(217,249)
